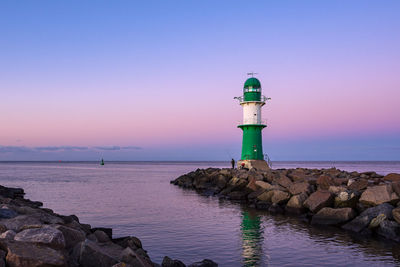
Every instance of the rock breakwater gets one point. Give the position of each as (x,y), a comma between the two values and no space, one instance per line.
(366,203)
(37,237)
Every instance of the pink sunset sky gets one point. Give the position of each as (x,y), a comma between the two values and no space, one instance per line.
(161,87)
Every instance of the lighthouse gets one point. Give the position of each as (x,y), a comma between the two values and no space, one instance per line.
(252,125)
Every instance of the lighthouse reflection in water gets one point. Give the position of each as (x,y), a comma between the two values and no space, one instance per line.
(252,239)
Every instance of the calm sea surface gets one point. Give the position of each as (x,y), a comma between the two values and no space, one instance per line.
(136,198)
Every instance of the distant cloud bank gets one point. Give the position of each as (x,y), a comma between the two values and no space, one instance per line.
(25,149)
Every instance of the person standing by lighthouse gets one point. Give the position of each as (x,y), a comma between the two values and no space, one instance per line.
(252,125)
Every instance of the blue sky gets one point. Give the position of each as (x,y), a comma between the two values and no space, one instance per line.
(159,77)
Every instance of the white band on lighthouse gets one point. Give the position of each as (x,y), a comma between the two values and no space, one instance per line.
(252,112)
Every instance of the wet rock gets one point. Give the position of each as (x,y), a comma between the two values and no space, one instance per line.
(364,219)
(8,235)
(255,194)
(298,188)
(46,235)
(71,236)
(377,195)
(128,241)
(279,197)
(295,204)
(168,262)
(263,205)
(389,230)
(330,216)
(266,196)
(94,255)
(318,200)
(393,177)
(358,185)
(238,195)
(236,184)
(204,263)
(107,231)
(22,254)
(131,257)
(101,236)
(275,209)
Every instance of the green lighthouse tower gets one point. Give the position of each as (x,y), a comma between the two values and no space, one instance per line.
(252,125)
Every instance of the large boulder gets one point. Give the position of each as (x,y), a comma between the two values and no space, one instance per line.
(8,235)
(393,177)
(266,196)
(22,254)
(91,254)
(324,181)
(284,181)
(365,218)
(264,185)
(295,204)
(21,222)
(333,216)
(46,235)
(72,236)
(358,185)
(319,200)
(280,197)
(389,230)
(297,175)
(168,262)
(298,188)
(204,263)
(377,195)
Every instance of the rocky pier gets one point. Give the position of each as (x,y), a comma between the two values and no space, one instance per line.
(364,203)
(32,236)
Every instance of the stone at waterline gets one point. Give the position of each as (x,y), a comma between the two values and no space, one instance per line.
(168,262)
(93,255)
(22,254)
(364,219)
(45,235)
(330,216)
(204,263)
(71,236)
(266,196)
(295,204)
(280,197)
(318,200)
(389,230)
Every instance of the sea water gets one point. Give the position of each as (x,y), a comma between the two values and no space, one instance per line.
(136,198)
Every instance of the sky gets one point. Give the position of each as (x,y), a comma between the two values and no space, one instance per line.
(155,80)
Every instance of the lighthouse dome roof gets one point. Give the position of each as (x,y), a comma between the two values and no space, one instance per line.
(252,83)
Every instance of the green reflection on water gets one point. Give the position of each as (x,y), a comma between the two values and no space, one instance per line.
(252,239)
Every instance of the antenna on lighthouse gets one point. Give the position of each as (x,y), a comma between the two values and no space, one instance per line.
(252,73)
